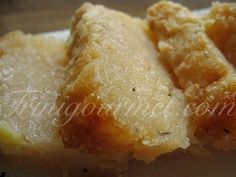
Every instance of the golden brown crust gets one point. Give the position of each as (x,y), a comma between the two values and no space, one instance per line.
(114,63)
(215,120)
(222,28)
(201,69)
(36,62)
(184,46)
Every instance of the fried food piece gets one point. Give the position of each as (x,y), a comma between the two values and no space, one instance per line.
(201,69)
(31,72)
(216,119)
(118,99)
(184,46)
(222,29)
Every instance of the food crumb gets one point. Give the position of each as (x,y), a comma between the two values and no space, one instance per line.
(165,133)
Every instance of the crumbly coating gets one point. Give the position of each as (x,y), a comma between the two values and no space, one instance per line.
(216,118)
(34,62)
(31,72)
(114,65)
(221,28)
(185,47)
(206,77)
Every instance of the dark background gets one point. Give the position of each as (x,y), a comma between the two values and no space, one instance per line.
(34,16)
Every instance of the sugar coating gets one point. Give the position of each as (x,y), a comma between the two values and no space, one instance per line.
(220,129)
(31,73)
(37,63)
(221,28)
(217,127)
(207,78)
(185,47)
(114,65)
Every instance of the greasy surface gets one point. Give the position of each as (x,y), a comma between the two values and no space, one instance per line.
(222,28)
(200,68)
(31,71)
(114,69)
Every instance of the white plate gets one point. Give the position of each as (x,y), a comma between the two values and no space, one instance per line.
(178,164)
